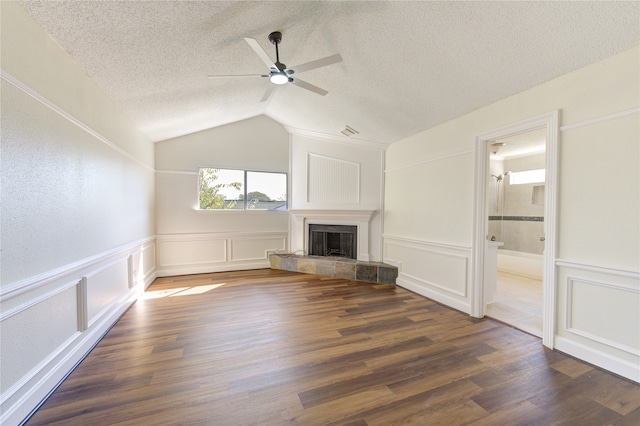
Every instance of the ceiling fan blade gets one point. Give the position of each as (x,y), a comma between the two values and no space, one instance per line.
(333,59)
(309,86)
(268,93)
(261,53)
(237,75)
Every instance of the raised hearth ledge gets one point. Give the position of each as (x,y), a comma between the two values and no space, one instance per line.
(350,269)
(300,220)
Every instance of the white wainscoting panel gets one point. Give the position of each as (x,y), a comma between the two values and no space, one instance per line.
(190,250)
(616,324)
(332,180)
(438,271)
(105,286)
(66,311)
(599,316)
(201,253)
(253,249)
(33,324)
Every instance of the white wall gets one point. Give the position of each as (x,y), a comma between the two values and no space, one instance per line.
(77,229)
(598,285)
(195,241)
(330,174)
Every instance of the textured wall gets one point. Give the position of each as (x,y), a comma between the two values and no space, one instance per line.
(77,196)
(65,195)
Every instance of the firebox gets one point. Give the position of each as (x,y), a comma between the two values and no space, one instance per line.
(333,240)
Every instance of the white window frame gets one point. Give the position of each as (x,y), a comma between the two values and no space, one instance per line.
(245,191)
(527,176)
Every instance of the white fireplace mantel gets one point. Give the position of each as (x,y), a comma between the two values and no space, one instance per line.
(300,220)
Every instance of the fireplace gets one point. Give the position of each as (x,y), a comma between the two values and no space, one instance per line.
(301,220)
(333,240)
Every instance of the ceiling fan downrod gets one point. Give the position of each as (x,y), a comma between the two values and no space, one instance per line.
(276,38)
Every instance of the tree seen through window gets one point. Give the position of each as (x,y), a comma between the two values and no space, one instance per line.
(227,189)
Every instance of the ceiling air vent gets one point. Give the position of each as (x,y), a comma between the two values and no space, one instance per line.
(349,131)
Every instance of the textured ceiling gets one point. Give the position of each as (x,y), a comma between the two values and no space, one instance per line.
(407,66)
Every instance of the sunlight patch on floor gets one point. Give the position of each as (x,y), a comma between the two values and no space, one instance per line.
(180,291)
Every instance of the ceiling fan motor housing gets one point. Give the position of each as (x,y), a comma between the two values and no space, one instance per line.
(275,37)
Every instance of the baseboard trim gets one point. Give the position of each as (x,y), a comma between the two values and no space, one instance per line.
(210,268)
(436,296)
(621,367)
(62,364)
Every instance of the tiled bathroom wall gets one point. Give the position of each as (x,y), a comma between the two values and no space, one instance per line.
(516,212)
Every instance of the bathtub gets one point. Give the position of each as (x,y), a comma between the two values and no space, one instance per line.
(520,263)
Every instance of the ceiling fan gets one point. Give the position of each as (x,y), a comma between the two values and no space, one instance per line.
(279,74)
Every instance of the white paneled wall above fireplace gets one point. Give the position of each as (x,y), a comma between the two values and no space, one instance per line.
(333,181)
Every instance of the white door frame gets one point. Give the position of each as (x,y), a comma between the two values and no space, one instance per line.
(548,121)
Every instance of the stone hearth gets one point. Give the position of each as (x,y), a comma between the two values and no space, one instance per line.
(351,269)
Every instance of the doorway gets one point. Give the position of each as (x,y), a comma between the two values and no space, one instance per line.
(482,249)
(515,228)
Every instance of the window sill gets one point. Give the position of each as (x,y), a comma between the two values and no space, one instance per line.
(230,211)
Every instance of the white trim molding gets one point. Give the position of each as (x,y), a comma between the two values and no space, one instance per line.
(28,284)
(608,117)
(69,117)
(426,242)
(599,269)
(430,160)
(549,122)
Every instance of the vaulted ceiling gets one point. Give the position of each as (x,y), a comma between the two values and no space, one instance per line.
(407,66)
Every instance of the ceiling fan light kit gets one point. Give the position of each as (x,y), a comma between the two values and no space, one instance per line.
(279,74)
(279,78)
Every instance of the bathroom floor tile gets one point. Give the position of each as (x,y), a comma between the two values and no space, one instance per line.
(518,302)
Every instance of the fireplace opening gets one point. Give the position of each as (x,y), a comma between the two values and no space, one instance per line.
(333,240)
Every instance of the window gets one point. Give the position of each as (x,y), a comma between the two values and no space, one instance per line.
(225,189)
(529,176)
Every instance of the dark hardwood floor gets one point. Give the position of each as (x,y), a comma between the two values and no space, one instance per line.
(272,347)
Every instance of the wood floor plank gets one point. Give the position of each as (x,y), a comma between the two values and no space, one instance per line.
(269,347)
(523,413)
